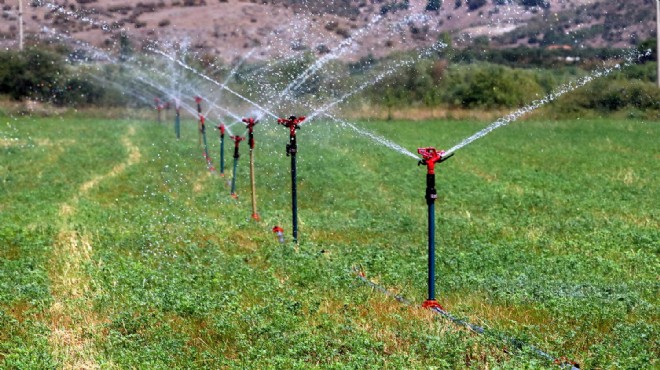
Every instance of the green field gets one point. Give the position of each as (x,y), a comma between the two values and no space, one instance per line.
(120,250)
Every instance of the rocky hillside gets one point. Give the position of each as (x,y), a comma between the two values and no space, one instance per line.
(231,28)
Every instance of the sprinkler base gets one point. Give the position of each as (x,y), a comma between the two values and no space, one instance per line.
(235,196)
(255,216)
(432,303)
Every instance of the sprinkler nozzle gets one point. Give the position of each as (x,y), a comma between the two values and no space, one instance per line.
(221,127)
(431,156)
(198,99)
(280,233)
(293,123)
(250,123)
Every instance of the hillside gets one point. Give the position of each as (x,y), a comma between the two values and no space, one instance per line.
(230,28)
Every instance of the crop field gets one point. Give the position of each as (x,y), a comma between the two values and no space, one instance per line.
(119,249)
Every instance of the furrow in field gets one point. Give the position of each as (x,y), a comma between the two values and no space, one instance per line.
(74,326)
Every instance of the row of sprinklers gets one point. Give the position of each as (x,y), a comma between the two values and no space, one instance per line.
(292,123)
(430,157)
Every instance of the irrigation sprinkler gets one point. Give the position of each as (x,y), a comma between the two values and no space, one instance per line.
(293,123)
(198,100)
(177,118)
(280,233)
(250,123)
(222,129)
(237,140)
(430,156)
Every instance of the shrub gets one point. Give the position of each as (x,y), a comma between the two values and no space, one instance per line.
(34,73)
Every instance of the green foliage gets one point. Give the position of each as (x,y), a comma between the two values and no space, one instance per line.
(433,5)
(480,85)
(392,6)
(490,86)
(475,4)
(42,75)
(35,73)
(547,232)
(607,95)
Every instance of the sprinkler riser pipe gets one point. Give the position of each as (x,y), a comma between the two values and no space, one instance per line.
(255,215)
(177,124)
(293,124)
(431,262)
(222,154)
(294,198)
(233,177)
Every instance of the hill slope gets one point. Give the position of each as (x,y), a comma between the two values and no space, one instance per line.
(229,28)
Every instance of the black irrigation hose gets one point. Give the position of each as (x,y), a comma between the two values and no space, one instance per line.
(563,363)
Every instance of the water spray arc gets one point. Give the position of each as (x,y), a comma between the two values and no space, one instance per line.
(430,156)
(250,123)
(221,128)
(293,124)
(237,140)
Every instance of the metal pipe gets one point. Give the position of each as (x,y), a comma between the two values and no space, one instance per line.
(233,178)
(294,196)
(237,139)
(431,234)
(255,215)
(177,123)
(206,147)
(430,156)
(222,154)
(293,124)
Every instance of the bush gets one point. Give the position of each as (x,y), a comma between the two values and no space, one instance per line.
(490,86)
(611,94)
(34,73)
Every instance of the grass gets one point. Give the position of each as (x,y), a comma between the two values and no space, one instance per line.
(120,250)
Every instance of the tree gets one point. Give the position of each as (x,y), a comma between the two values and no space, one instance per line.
(33,73)
(433,5)
(475,4)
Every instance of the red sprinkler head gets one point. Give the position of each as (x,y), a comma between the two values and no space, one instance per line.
(237,139)
(430,156)
(293,123)
(250,123)
(280,233)
(198,99)
(221,127)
